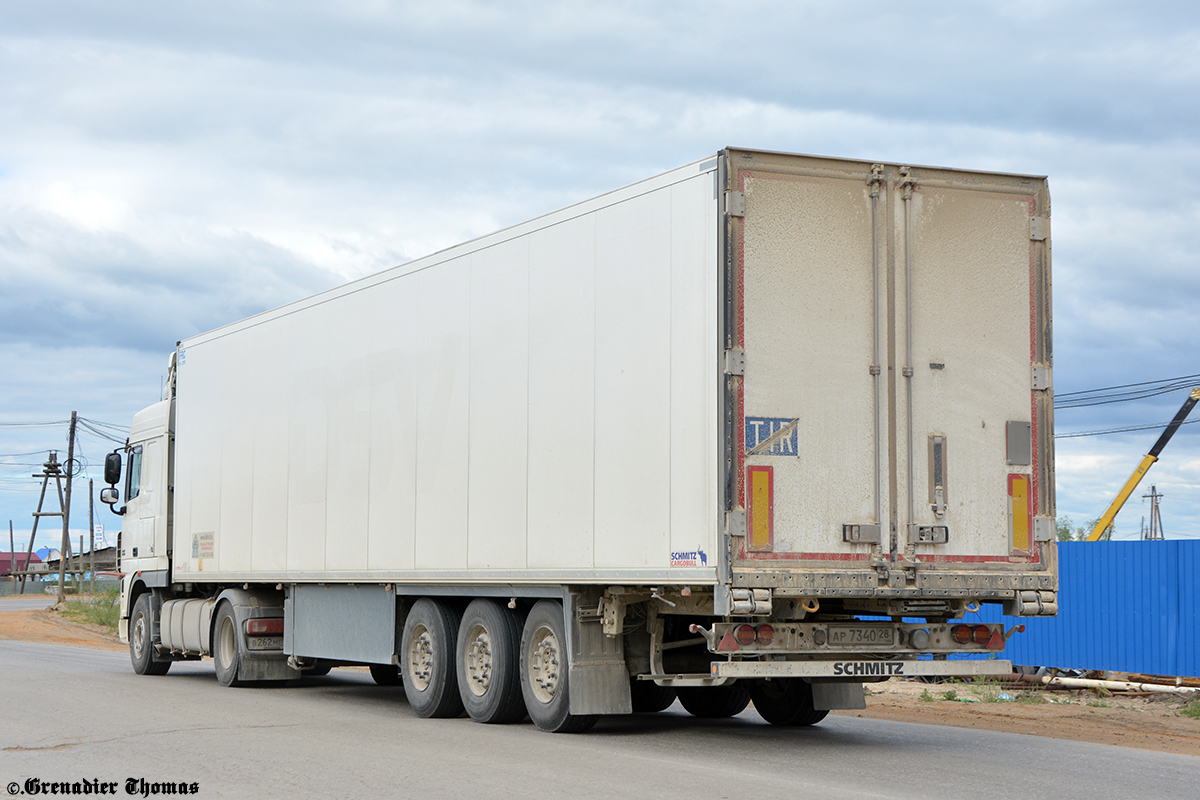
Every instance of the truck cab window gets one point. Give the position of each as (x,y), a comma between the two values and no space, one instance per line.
(134,475)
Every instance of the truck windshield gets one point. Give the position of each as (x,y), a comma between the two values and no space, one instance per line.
(134,476)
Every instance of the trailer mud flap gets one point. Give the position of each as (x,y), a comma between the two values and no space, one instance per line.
(858,669)
(599,680)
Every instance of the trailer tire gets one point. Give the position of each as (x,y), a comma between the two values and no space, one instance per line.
(385,674)
(488,663)
(427,653)
(227,647)
(785,701)
(141,640)
(714,702)
(545,667)
(648,697)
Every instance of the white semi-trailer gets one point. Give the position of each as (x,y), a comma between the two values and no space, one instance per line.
(762,427)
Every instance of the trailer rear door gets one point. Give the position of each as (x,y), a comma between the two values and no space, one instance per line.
(893,410)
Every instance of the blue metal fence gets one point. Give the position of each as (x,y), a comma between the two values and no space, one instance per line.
(1123,606)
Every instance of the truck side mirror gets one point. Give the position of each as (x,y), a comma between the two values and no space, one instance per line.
(110,496)
(112,471)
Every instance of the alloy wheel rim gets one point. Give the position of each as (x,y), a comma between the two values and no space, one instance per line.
(478,658)
(543,665)
(420,658)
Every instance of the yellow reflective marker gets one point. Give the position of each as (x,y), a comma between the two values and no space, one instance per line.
(1019,514)
(761,513)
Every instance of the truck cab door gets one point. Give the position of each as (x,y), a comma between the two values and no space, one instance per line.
(144,527)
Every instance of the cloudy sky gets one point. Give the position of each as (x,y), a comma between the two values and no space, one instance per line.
(166,168)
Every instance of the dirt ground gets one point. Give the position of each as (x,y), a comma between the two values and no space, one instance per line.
(50,627)
(1147,722)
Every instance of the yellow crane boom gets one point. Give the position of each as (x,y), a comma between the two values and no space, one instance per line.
(1106,520)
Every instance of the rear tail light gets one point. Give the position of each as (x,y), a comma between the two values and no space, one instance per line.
(272,626)
(766,634)
(965,634)
(745,634)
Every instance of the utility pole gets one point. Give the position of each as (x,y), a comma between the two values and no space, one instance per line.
(66,529)
(92,528)
(12,555)
(1156,528)
(51,469)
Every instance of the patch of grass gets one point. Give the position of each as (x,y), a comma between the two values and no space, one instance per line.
(1192,709)
(104,609)
(1031,698)
(950,695)
(925,697)
(1099,704)
(987,691)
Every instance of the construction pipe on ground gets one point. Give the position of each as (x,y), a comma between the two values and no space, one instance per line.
(1112,686)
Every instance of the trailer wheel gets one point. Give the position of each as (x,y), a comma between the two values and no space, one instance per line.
(227,647)
(544,671)
(489,673)
(714,702)
(648,697)
(385,674)
(141,641)
(430,680)
(785,701)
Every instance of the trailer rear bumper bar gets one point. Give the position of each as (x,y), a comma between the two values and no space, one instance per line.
(865,670)
(861,669)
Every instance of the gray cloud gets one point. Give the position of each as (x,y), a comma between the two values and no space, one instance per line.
(168,169)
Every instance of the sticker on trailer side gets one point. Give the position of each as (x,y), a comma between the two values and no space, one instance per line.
(760,429)
(689,558)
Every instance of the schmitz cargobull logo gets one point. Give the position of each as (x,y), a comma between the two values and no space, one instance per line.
(868,668)
(689,558)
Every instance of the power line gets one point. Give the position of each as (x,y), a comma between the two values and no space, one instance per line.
(1107,431)
(1128,385)
(98,432)
(118,428)
(1123,393)
(32,424)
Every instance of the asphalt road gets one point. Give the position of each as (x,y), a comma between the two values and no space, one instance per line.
(27,602)
(83,715)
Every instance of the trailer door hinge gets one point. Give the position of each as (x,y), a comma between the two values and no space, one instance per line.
(1039,229)
(1044,529)
(735,361)
(1041,378)
(735,204)
(735,522)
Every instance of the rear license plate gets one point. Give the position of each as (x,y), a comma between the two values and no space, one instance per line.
(861,635)
(264,642)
